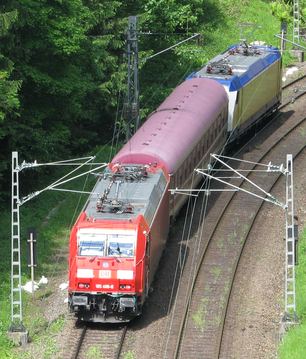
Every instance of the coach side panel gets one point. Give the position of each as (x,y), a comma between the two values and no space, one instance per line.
(211,142)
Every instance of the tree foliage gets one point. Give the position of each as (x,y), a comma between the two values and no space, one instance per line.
(63,67)
(283,10)
(9,101)
(65,55)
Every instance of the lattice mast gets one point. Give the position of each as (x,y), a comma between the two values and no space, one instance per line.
(16,300)
(290,304)
(296,21)
(16,295)
(131,106)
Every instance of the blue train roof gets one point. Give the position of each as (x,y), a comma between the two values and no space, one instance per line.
(238,65)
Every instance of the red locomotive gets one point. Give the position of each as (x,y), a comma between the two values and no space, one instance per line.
(118,239)
(113,256)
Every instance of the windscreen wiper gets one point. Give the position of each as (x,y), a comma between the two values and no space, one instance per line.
(118,248)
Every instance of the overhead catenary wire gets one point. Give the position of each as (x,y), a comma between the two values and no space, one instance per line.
(182,264)
(178,271)
(197,257)
(245,161)
(73,218)
(171,47)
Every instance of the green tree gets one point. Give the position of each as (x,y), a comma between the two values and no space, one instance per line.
(163,23)
(283,10)
(66,55)
(9,101)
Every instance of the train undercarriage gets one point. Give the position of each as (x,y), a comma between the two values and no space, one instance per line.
(103,308)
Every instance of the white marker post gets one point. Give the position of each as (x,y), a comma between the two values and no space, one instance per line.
(32,262)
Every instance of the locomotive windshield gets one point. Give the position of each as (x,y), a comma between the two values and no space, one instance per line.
(101,244)
(120,245)
(91,244)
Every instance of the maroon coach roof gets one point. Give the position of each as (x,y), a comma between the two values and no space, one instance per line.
(170,133)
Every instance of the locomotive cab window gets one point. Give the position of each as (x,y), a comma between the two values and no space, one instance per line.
(91,244)
(120,245)
(97,243)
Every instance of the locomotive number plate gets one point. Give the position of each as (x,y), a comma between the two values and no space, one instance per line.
(105,273)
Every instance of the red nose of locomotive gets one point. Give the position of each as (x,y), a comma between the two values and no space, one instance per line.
(104,261)
(105,273)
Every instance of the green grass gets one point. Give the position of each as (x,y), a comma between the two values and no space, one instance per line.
(198,317)
(233,13)
(129,355)
(93,352)
(293,345)
(221,27)
(230,15)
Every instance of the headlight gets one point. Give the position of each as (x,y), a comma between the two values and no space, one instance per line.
(84,273)
(83,285)
(125,274)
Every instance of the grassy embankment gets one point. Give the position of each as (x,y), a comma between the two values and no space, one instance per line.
(294,344)
(222,25)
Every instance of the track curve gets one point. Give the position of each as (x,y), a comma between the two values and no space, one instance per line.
(198,312)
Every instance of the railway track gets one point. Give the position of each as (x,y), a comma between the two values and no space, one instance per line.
(295,82)
(198,332)
(293,90)
(95,341)
(234,227)
(225,339)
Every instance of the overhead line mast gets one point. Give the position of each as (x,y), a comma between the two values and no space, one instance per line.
(17,330)
(296,21)
(131,106)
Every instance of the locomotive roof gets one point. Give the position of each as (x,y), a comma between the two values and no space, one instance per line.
(171,132)
(124,195)
(238,65)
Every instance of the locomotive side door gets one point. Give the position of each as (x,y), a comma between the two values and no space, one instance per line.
(147,264)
